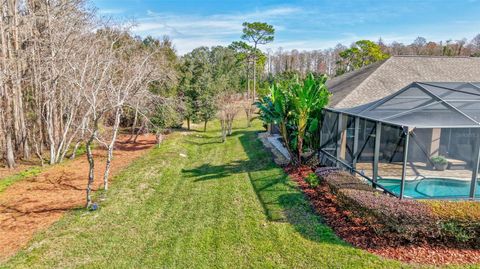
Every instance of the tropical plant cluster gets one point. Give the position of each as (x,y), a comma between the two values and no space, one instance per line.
(296,107)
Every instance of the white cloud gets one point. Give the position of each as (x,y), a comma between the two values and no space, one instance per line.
(190,31)
(297,28)
(110,11)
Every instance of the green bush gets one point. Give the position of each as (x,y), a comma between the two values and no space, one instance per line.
(169,114)
(463,211)
(456,231)
(312,180)
(439,160)
(409,220)
(459,220)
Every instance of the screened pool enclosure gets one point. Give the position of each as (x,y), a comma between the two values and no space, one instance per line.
(421,142)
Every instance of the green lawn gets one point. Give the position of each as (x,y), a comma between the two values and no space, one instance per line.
(224,205)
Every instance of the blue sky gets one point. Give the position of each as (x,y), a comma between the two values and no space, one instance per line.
(304,25)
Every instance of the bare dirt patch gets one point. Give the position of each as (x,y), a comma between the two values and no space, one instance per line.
(36,203)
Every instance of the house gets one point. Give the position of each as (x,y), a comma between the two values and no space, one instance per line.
(384,78)
(396,122)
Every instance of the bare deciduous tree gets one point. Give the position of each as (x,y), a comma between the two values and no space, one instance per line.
(228,107)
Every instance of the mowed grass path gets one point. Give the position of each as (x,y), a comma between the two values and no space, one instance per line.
(220,205)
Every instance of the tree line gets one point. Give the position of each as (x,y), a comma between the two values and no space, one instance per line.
(221,81)
(336,61)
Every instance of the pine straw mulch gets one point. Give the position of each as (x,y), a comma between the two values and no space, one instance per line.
(356,232)
(37,202)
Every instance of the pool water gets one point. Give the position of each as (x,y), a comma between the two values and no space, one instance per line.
(431,188)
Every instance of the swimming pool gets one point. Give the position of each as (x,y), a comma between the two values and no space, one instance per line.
(431,188)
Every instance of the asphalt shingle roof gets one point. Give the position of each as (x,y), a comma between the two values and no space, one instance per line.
(426,105)
(381,79)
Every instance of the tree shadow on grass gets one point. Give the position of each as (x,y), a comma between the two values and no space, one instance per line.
(280,199)
(193,142)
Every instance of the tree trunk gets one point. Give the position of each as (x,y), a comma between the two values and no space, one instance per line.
(188,124)
(248,79)
(39,154)
(9,148)
(159,138)
(134,125)
(138,132)
(224,130)
(254,77)
(91,162)
(38,148)
(110,148)
(248,111)
(50,131)
(75,148)
(5,60)
(283,131)
(300,150)
(230,126)
(205,126)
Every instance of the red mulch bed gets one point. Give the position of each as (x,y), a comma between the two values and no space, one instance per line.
(355,230)
(35,203)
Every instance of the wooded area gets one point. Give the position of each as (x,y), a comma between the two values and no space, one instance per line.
(65,75)
(330,61)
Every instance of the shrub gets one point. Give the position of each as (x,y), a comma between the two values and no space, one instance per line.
(463,211)
(312,180)
(338,180)
(324,171)
(405,221)
(456,231)
(168,114)
(459,220)
(439,160)
(409,219)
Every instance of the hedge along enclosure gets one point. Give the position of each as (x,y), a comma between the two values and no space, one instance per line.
(406,221)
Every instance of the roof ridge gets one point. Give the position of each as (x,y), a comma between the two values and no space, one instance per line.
(431,56)
(356,71)
(367,78)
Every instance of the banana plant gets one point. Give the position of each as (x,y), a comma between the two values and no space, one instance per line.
(307,98)
(295,107)
(275,109)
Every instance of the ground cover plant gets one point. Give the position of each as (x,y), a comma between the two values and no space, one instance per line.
(7,181)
